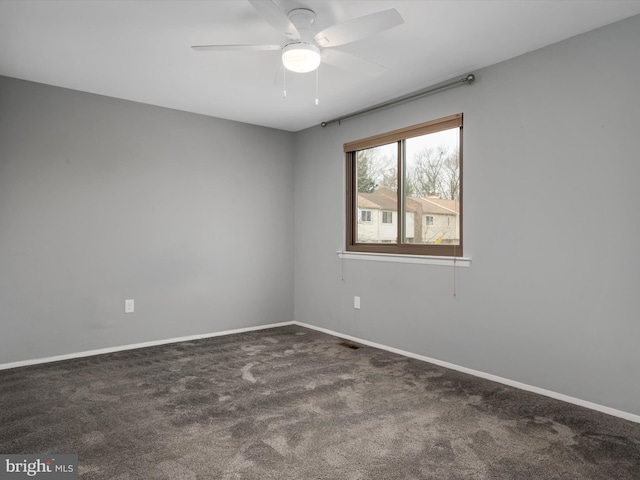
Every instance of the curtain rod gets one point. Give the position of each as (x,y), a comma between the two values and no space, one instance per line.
(469,78)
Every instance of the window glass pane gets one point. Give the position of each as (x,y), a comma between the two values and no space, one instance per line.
(377,187)
(432,188)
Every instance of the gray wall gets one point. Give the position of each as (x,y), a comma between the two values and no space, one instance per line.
(103,200)
(551,170)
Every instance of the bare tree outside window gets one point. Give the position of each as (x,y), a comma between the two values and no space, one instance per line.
(433,169)
(432,179)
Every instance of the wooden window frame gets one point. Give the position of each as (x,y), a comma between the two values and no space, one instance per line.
(397,136)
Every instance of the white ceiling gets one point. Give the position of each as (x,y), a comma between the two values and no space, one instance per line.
(140,50)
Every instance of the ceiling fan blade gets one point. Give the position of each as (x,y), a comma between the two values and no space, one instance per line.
(358,28)
(353,63)
(245,47)
(276,17)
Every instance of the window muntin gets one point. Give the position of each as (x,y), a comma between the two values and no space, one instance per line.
(418,168)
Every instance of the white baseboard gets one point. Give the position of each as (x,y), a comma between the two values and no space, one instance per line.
(512,383)
(101,351)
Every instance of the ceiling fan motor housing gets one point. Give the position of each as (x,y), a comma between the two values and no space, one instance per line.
(303,19)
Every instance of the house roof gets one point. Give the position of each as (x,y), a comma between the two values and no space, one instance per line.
(382,198)
(386,199)
(437,205)
(365,202)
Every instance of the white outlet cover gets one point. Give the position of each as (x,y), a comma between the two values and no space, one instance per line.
(128,306)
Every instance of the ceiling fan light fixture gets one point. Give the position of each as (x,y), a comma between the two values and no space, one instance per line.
(301,57)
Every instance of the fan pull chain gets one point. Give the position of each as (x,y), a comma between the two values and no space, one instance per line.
(455,293)
(317,69)
(284,82)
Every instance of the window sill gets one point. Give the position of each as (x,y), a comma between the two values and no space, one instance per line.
(397,258)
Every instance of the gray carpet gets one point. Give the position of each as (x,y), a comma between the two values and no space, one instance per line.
(292,403)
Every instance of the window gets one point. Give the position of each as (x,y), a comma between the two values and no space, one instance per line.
(410,174)
(365,216)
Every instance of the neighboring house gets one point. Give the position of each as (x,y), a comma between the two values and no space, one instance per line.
(427,220)
(378,217)
(439,219)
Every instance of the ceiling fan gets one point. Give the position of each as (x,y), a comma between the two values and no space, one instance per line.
(304,49)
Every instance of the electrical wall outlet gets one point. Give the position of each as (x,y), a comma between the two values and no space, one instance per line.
(356,303)
(128,306)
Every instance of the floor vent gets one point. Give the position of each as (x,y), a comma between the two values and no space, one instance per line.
(349,345)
